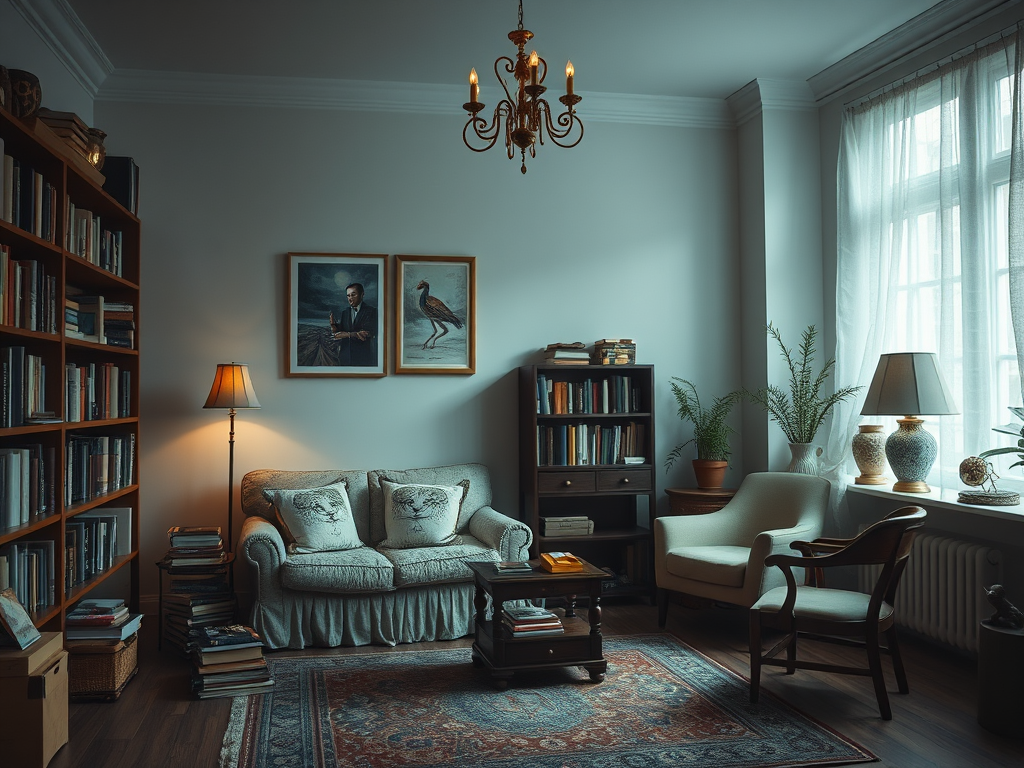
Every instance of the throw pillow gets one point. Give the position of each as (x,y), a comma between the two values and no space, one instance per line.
(317,519)
(421,515)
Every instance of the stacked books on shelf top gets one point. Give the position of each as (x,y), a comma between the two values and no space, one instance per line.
(227,661)
(531,621)
(199,593)
(100,622)
(567,353)
(614,352)
(560,562)
(570,525)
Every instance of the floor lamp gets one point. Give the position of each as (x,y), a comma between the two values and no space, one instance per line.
(232,388)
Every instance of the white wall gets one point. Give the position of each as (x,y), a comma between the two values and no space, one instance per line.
(632,234)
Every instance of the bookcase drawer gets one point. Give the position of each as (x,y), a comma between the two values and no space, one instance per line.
(633,480)
(566,482)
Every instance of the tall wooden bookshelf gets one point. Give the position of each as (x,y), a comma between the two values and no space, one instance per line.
(79,480)
(612,415)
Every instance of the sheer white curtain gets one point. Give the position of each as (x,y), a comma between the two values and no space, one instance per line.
(927,250)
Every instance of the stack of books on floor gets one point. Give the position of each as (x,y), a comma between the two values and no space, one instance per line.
(531,621)
(199,592)
(570,525)
(567,353)
(228,661)
(100,621)
(614,352)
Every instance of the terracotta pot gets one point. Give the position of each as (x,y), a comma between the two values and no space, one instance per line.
(710,474)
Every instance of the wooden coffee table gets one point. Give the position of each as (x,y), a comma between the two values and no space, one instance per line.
(504,655)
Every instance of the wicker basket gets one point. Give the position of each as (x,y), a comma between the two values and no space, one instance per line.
(102,672)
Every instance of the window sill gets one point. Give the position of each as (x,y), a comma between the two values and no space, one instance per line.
(945,498)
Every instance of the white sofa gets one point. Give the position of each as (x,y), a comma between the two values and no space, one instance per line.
(370,594)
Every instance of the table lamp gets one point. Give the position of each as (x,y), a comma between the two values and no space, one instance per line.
(232,388)
(909,384)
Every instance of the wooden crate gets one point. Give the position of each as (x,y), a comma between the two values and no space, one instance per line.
(102,672)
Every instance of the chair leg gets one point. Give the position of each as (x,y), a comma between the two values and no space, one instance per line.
(662,607)
(875,664)
(791,654)
(897,659)
(755,655)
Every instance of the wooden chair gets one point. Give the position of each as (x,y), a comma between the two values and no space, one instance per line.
(835,615)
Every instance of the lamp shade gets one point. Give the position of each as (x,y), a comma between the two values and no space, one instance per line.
(232,388)
(908,383)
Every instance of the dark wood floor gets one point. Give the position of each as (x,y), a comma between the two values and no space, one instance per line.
(158,725)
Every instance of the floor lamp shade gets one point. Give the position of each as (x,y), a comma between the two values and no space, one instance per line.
(909,384)
(232,388)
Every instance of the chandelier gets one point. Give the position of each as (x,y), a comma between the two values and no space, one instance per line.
(527,116)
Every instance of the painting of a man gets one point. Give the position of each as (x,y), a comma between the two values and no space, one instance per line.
(355,329)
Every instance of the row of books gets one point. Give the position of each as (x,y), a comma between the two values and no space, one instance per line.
(199,591)
(531,621)
(572,445)
(27,489)
(99,320)
(99,621)
(28,295)
(93,541)
(228,661)
(570,525)
(97,391)
(86,237)
(23,386)
(97,465)
(29,569)
(612,394)
(27,199)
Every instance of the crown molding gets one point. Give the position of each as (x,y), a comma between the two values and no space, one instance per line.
(152,87)
(763,94)
(917,34)
(59,27)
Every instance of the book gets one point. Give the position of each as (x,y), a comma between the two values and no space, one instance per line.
(16,627)
(237,690)
(232,635)
(117,632)
(226,654)
(527,614)
(560,562)
(513,566)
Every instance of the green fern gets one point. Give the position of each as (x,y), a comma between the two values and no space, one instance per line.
(802,410)
(710,432)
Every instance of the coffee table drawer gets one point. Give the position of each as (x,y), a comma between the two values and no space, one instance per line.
(566,482)
(633,480)
(553,649)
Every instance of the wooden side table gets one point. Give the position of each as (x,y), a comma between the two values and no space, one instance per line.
(1000,680)
(697,501)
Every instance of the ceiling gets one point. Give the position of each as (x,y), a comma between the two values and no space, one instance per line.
(682,48)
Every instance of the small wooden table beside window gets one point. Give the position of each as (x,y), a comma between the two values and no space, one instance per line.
(697,501)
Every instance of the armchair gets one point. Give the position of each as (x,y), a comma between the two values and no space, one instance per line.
(721,555)
(835,615)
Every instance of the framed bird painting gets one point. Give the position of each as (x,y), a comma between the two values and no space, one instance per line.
(435,314)
(336,314)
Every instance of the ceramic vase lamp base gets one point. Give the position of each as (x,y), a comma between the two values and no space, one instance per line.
(911,451)
(869,453)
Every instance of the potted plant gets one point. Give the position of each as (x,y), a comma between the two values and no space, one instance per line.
(710,432)
(803,409)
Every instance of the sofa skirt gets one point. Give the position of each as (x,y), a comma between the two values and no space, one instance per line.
(322,620)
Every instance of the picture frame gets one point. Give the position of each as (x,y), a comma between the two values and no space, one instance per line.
(435,314)
(320,287)
(15,624)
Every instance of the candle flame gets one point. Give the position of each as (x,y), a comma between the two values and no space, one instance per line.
(534,59)
(569,70)
(472,77)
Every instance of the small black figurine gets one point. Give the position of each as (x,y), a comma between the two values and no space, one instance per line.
(1006,615)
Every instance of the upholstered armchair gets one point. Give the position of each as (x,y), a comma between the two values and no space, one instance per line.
(721,555)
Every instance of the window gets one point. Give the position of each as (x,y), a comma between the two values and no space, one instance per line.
(924,255)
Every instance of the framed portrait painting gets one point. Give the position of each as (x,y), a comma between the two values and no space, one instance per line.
(435,314)
(336,314)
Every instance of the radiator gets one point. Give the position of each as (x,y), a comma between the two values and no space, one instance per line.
(941,594)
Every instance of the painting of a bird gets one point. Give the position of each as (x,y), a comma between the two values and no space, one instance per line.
(437,313)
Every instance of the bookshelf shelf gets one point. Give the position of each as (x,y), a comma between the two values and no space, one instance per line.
(48,270)
(586,475)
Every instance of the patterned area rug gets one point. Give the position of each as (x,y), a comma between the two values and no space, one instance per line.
(662,704)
